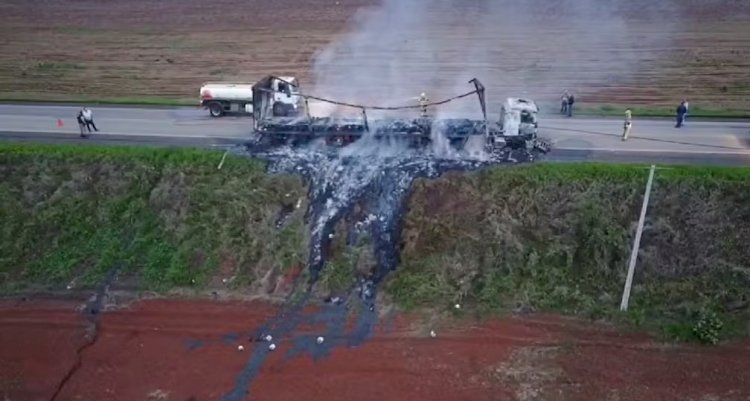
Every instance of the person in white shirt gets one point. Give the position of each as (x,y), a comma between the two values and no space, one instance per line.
(628,124)
(86,118)
(687,109)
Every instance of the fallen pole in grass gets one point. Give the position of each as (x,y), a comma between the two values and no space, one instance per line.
(221,163)
(637,242)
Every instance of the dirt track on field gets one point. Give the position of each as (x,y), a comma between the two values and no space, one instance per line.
(637,52)
(187,350)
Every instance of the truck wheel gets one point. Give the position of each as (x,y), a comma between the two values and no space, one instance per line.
(216,109)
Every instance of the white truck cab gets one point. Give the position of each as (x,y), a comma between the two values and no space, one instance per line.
(286,99)
(517,125)
(222,97)
(518,117)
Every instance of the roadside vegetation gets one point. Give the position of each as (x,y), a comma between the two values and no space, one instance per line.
(162,218)
(543,238)
(597,110)
(558,238)
(696,111)
(142,101)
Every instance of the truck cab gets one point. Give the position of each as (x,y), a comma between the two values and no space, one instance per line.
(286,98)
(223,97)
(517,127)
(518,117)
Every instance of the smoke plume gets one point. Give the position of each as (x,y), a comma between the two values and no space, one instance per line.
(530,48)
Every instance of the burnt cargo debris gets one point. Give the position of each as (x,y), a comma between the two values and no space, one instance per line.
(515,129)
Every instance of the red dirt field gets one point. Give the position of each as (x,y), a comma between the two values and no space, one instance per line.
(144,352)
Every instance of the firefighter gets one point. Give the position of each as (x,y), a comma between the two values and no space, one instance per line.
(628,124)
(423,101)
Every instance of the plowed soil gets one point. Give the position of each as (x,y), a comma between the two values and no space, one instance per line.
(188,350)
(640,52)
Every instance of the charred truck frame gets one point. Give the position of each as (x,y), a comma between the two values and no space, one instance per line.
(516,128)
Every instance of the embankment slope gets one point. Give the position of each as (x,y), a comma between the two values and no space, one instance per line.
(545,237)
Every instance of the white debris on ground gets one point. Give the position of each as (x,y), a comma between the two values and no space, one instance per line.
(433,334)
(272,347)
(240,348)
(320,340)
(268,338)
(457,306)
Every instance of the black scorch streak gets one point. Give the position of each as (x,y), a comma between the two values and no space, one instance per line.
(376,177)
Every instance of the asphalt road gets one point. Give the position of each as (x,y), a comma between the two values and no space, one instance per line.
(574,139)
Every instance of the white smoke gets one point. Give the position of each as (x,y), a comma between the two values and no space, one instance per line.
(529,48)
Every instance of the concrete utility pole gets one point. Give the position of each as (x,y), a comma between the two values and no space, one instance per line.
(221,163)
(637,242)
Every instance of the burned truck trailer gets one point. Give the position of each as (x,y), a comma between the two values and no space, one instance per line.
(339,131)
(515,129)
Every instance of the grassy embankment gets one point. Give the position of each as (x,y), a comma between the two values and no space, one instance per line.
(165,218)
(558,238)
(553,238)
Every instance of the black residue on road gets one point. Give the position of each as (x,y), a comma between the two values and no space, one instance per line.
(376,181)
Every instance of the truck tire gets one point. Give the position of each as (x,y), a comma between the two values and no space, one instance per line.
(216,109)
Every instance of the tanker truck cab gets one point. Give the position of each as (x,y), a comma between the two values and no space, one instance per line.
(228,97)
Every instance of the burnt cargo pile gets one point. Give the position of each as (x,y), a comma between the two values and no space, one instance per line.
(515,130)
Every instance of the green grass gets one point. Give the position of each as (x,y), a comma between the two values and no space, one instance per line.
(657,111)
(168,217)
(92,100)
(544,237)
(50,66)
(594,110)
(558,237)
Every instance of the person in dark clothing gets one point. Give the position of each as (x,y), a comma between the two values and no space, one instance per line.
(81,124)
(564,103)
(681,111)
(86,118)
(571,100)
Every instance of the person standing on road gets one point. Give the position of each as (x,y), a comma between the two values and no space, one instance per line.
(628,124)
(423,101)
(681,111)
(81,124)
(564,103)
(571,100)
(86,118)
(687,110)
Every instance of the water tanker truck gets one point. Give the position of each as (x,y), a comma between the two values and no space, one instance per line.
(223,97)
